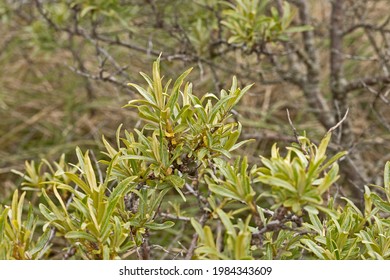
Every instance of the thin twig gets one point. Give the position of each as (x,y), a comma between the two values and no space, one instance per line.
(339,123)
(296,135)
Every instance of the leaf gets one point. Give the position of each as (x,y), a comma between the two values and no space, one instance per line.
(20,209)
(357,210)
(311,210)
(322,147)
(80,235)
(224,192)
(42,241)
(227,223)
(73,177)
(217,107)
(176,181)
(329,179)
(198,228)
(86,10)
(146,113)
(57,195)
(145,94)
(276,182)
(111,151)
(106,252)
(239,144)
(46,212)
(384,206)
(14,206)
(137,157)
(176,88)
(314,248)
(3,221)
(157,86)
(315,224)
(156,226)
(241,246)
(113,200)
(201,113)
(53,207)
(386,180)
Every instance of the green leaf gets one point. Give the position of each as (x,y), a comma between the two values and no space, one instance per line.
(46,212)
(239,144)
(227,223)
(111,151)
(316,223)
(3,221)
(157,226)
(386,180)
(80,235)
(176,181)
(349,202)
(322,147)
(217,107)
(384,206)
(113,200)
(314,248)
(157,86)
(145,94)
(311,210)
(53,207)
(73,177)
(241,246)
(276,182)
(198,228)
(87,10)
(224,192)
(20,209)
(42,241)
(137,157)
(146,113)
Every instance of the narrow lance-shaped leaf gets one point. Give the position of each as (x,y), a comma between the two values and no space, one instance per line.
(157,226)
(314,248)
(80,235)
(198,228)
(227,223)
(20,209)
(322,147)
(157,86)
(145,94)
(53,207)
(42,241)
(386,180)
(224,192)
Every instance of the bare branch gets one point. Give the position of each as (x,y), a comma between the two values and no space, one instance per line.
(366,81)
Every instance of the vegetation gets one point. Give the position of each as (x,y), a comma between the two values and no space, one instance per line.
(192,174)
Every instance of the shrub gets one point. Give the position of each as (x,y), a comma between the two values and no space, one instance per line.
(175,189)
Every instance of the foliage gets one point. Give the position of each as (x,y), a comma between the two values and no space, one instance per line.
(184,156)
(248,23)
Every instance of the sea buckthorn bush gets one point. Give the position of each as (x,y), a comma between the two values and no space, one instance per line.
(178,188)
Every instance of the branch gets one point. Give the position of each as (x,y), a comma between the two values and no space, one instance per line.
(366,81)
(311,87)
(380,28)
(336,59)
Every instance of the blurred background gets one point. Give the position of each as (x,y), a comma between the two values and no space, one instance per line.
(65,64)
